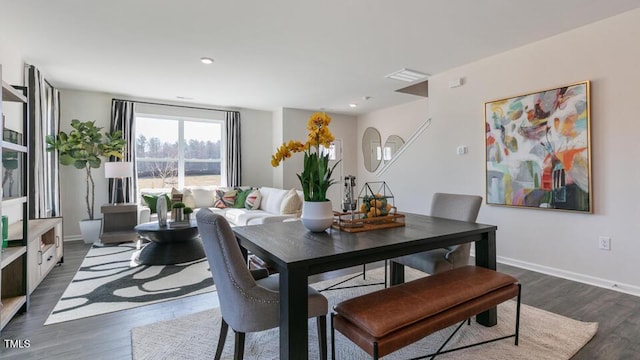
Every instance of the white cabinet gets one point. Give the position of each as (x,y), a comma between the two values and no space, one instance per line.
(45,249)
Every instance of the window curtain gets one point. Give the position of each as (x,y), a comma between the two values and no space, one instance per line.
(43,119)
(234,167)
(122,118)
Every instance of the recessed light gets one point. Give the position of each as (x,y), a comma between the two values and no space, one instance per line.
(206,60)
(353,105)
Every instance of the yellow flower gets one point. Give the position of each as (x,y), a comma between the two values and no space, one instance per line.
(316,177)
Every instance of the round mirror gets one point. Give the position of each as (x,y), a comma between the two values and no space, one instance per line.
(371,149)
(391,146)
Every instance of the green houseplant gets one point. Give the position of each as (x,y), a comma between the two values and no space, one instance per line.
(315,178)
(83,147)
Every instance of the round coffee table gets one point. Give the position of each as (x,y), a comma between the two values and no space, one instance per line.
(169,244)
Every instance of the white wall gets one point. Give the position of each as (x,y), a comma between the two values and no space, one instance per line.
(256,132)
(86,105)
(552,241)
(277,139)
(401,120)
(342,127)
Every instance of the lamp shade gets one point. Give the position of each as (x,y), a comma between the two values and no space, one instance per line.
(120,169)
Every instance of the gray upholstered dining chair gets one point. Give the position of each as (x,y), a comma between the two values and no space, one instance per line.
(450,206)
(248,302)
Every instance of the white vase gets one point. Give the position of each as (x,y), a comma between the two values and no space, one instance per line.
(317,216)
(161,207)
(90,230)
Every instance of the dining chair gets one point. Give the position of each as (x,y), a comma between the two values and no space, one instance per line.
(248,303)
(450,206)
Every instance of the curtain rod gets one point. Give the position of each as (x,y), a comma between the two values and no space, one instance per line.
(180,106)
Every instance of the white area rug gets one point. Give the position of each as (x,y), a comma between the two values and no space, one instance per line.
(543,335)
(109,280)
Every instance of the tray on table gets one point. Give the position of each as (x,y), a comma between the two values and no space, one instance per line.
(344,222)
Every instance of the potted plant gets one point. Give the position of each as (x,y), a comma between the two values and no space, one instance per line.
(177,211)
(315,178)
(83,147)
(187,211)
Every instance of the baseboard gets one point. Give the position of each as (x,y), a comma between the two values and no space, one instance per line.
(569,275)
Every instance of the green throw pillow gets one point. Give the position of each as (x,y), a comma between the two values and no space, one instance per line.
(152,201)
(241,197)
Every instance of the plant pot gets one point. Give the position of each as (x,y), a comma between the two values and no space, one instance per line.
(317,216)
(177,214)
(90,230)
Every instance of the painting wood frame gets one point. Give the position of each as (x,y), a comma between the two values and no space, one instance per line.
(538,149)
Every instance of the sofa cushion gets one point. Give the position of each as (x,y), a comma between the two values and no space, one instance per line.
(291,203)
(151,200)
(203,197)
(225,199)
(241,217)
(272,199)
(253,200)
(241,198)
(188,199)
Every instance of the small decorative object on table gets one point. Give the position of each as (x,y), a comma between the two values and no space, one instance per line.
(376,203)
(315,178)
(177,212)
(377,210)
(187,213)
(161,207)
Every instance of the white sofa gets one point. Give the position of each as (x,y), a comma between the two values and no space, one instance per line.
(275,205)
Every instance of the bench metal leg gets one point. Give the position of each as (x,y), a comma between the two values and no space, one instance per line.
(518,314)
(515,335)
(333,340)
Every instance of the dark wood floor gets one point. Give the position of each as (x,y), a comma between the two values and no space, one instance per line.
(108,336)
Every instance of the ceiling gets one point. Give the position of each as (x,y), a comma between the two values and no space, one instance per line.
(275,53)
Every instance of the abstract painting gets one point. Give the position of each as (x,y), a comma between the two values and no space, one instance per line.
(538,151)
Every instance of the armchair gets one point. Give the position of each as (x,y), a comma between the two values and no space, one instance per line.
(246,304)
(450,206)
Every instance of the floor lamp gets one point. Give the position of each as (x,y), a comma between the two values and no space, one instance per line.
(115,171)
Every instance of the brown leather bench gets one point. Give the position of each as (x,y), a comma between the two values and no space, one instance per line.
(387,320)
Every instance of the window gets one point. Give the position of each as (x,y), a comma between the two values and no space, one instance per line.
(178,152)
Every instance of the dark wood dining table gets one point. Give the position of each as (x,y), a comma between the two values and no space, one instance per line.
(297,253)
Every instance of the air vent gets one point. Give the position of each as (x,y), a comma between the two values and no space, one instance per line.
(407,75)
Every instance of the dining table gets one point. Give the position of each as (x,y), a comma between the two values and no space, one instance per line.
(297,253)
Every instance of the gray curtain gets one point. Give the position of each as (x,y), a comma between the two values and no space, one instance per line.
(44,119)
(234,166)
(122,118)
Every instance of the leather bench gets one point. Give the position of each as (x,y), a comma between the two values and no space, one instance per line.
(387,320)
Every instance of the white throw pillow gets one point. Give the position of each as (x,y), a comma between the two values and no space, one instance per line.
(204,198)
(188,199)
(291,203)
(271,199)
(253,200)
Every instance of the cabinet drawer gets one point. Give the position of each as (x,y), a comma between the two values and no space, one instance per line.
(48,260)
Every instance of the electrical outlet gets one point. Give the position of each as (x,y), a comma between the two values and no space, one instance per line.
(604,243)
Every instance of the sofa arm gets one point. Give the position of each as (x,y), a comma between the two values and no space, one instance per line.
(144,214)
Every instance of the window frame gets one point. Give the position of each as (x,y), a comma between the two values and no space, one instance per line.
(181,141)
